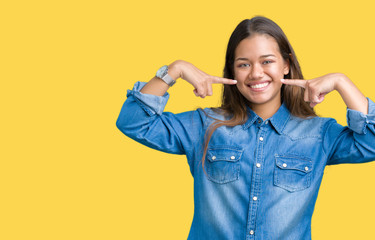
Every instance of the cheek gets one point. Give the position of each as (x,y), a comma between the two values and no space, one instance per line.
(276,73)
(238,75)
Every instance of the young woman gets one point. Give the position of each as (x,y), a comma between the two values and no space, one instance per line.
(258,160)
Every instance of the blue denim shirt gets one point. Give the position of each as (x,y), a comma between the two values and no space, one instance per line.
(262,178)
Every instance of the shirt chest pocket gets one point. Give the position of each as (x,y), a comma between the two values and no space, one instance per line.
(223,164)
(292,173)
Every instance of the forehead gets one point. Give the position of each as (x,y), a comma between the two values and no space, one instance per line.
(257,45)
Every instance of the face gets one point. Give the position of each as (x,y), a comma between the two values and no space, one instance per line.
(258,68)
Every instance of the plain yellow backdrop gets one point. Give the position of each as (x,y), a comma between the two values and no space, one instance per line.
(67,172)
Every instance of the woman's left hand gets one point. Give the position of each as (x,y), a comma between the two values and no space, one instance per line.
(317,88)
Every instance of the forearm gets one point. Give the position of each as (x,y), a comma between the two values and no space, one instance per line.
(351,95)
(157,86)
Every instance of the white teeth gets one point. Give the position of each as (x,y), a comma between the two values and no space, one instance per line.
(259,85)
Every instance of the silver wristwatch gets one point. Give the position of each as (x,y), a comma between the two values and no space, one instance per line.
(163,74)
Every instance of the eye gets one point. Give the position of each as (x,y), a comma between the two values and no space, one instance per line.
(243,65)
(267,62)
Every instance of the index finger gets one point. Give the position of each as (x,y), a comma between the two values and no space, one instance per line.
(295,82)
(223,80)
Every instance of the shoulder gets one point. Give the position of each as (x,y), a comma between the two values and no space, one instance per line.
(312,127)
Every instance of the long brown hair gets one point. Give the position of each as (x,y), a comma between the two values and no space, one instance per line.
(233,103)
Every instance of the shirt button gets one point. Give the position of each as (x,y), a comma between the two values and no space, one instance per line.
(261,139)
(232,157)
(251,232)
(258,165)
(306,168)
(213,157)
(259,121)
(284,165)
(255,198)
(266,122)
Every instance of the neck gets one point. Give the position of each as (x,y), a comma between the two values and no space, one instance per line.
(266,110)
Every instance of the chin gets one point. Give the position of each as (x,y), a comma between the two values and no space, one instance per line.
(260,100)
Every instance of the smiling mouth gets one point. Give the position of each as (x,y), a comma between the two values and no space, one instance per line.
(258,86)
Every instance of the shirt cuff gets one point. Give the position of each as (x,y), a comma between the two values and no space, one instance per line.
(150,103)
(357,121)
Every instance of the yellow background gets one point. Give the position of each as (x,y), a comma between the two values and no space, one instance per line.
(67,172)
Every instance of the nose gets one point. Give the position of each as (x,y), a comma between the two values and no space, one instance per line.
(256,72)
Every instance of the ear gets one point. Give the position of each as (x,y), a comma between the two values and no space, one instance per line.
(286,66)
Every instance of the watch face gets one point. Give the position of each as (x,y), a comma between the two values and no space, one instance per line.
(162,71)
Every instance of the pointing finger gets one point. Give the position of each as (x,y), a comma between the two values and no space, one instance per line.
(223,80)
(295,82)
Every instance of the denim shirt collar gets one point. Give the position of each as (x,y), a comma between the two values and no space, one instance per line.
(278,120)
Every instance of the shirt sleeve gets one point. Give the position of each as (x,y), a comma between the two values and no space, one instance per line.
(143,119)
(354,143)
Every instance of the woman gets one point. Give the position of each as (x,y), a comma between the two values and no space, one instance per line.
(258,160)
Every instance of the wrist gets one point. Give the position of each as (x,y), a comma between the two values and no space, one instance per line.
(342,82)
(174,70)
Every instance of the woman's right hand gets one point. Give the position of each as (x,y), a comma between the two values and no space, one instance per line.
(201,81)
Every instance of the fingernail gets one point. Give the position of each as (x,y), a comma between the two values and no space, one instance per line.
(283,80)
(235,81)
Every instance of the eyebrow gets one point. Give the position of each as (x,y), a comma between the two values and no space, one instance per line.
(263,56)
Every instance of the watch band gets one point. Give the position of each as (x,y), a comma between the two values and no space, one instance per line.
(168,80)
(162,73)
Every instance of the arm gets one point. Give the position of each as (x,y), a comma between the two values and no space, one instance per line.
(317,88)
(187,71)
(352,144)
(157,86)
(143,119)
(351,95)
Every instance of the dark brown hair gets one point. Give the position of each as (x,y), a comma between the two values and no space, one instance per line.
(233,103)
